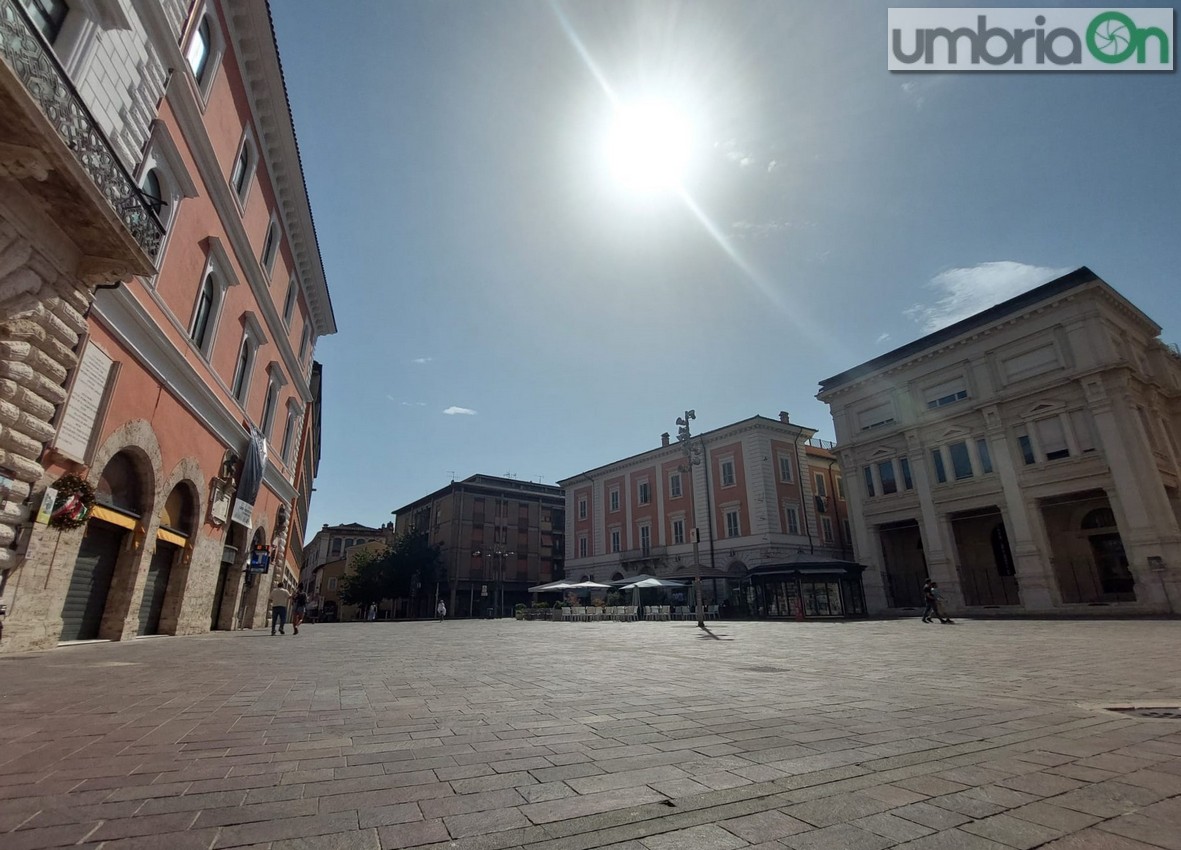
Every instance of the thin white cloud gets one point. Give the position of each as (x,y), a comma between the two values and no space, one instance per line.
(758,229)
(460,411)
(963,292)
(410,403)
(421,360)
(771,166)
(883,338)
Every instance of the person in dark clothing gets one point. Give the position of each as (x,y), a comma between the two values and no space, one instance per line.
(932,597)
(301,609)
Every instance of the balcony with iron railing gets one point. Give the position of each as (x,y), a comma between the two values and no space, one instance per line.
(644,553)
(817,443)
(53,146)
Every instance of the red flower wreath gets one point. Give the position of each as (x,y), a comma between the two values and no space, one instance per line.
(75,499)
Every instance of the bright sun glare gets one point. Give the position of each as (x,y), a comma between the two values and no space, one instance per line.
(649,144)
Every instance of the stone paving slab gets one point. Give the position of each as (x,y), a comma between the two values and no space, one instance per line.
(642,736)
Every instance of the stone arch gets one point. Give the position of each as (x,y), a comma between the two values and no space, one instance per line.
(193,564)
(138,440)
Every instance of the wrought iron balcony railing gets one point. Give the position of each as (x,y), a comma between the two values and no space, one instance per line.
(34,63)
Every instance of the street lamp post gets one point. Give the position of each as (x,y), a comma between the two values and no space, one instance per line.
(693,458)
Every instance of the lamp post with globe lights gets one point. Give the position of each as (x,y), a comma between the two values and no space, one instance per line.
(693,457)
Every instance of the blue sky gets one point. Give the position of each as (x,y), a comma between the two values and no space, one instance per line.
(505,306)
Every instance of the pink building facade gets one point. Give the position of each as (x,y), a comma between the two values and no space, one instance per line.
(191,407)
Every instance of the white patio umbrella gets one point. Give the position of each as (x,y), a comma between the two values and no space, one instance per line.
(585,584)
(653,582)
(553,585)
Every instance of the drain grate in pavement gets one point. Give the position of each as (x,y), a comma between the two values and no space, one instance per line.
(767,670)
(1170,712)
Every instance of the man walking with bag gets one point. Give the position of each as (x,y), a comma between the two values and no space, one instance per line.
(280,599)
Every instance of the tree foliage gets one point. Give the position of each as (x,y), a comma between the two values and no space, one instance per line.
(405,570)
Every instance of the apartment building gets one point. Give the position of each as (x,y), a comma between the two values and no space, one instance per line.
(497,538)
(1026,458)
(765,498)
(160,299)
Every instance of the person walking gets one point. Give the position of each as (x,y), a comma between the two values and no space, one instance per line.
(372,615)
(301,609)
(932,597)
(440,610)
(280,599)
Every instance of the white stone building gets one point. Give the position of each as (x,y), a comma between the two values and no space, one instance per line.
(1026,458)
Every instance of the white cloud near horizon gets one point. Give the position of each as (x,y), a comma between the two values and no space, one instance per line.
(461,411)
(421,360)
(963,292)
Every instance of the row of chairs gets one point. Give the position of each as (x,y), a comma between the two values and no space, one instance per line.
(619,613)
(678,612)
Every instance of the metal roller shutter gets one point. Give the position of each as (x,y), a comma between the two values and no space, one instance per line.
(86,598)
(155,587)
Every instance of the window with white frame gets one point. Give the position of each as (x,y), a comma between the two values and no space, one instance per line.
(646,538)
(877,416)
(674,485)
(826,528)
(244,366)
(841,488)
(270,246)
(613,499)
(733,527)
(47,16)
(886,475)
(205,316)
(243,171)
(948,392)
(1052,438)
(305,341)
(792,517)
(289,306)
(727,473)
(821,487)
(289,437)
(869,486)
(785,468)
(268,407)
(678,531)
(582,507)
(615,540)
(582,546)
(645,492)
(204,51)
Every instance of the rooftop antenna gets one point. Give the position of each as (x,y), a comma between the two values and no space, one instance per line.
(451,472)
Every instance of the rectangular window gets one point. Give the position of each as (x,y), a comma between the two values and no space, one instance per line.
(678,531)
(242,369)
(727,473)
(289,434)
(674,485)
(785,468)
(848,532)
(961,463)
(985,457)
(732,527)
(876,417)
(646,538)
(869,490)
(332,584)
(793,519)
(1026,449)
(582,547)
(945,394)
(613,496)
(886,474)
(821,490)
(582,508)
(907,481)
(826,527)
(940,472)
(841,487)
(615,540)
(645,493)
(289,305)
(1052,438)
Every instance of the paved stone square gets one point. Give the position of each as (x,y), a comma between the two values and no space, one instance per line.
(635,736)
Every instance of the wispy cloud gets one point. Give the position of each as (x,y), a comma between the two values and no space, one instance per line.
(421,360)
(411,403)
(883,338)
(963,292)
(459,411)
(759,229)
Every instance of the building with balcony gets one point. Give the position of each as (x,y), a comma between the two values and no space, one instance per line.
(161,294)
(766,499)
(1026,458)
(497,538)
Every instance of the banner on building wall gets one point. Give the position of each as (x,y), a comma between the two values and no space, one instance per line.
(253,463)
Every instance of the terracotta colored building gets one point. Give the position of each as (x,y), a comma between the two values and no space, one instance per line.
(498,537)
(188,383)
(767,501)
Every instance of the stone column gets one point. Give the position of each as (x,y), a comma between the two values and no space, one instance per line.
(935,530)
(1034,578)
(866,548)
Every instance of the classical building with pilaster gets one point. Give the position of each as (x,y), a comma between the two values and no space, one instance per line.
(161,294)
(1026,458)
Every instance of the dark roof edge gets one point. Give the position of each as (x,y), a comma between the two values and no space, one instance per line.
(489,482)
(1071,280)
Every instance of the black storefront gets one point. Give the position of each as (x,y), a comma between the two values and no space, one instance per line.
(815,588)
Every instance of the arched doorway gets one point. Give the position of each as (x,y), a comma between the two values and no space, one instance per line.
(1107,550)
(225,591)
(119,498)
(177,519)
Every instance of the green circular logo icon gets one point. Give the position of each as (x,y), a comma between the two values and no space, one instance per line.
(1111,37)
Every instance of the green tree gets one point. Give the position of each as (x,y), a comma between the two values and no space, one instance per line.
(411,567)
(364,583)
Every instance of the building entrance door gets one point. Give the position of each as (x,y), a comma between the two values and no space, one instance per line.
(155,588)
(1112,564)
(86,598)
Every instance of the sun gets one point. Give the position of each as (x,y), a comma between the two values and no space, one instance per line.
(649,145)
